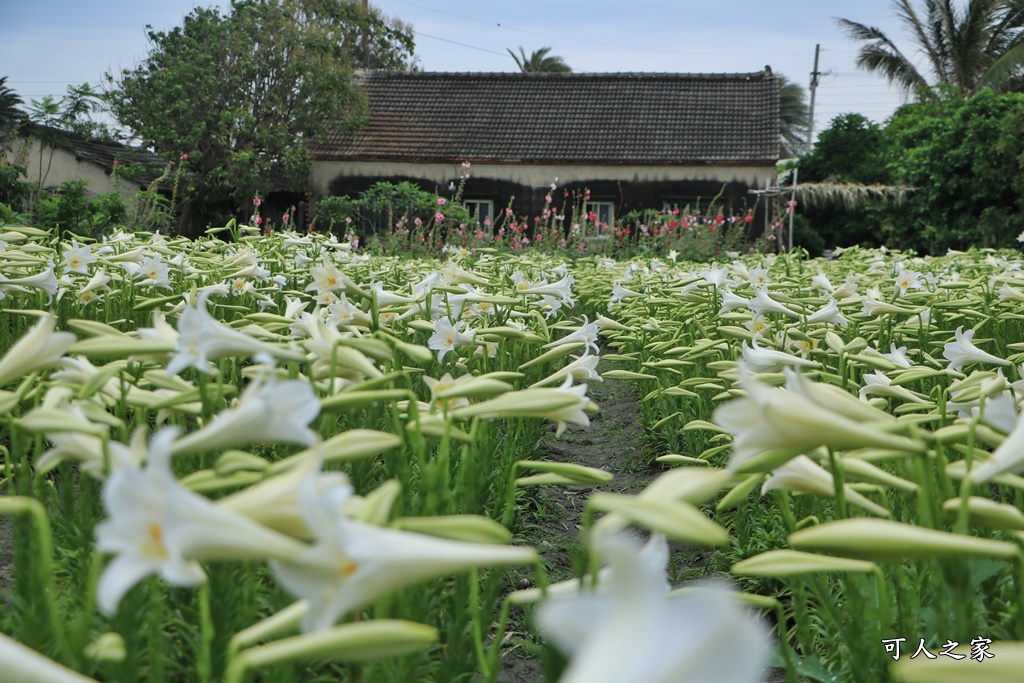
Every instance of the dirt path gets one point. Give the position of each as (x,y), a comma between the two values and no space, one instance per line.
(614,442)
(6,558)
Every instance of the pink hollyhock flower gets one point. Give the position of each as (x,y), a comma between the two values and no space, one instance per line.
(441,201)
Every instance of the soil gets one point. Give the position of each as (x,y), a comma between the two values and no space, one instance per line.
(6,558)
(614,442)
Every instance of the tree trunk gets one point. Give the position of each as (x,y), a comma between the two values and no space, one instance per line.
(185,226)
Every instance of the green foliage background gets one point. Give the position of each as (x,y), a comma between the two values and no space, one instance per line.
(963,157)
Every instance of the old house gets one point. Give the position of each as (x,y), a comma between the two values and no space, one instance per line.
(52,157)
(635,140)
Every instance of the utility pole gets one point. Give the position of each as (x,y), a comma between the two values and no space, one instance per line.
(814,90)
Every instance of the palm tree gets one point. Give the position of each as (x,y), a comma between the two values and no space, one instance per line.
(971,47)
(10,116)
(539,62)
(793,117)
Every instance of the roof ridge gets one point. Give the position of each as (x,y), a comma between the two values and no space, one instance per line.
(577,75)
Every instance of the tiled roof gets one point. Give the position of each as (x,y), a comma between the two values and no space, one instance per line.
(614,118)
(146,165)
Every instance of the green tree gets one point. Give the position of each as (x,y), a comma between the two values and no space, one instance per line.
(56,120)
(793,115)
(11,116)
(848,151)
(13,190)
(966,160)
(851,151)
(233,96)
(540,62)
(970,47)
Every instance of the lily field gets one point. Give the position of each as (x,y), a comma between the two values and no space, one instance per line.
(272,457)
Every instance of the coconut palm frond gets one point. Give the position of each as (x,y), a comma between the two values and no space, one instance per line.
(1005,70)
(881,55)
(540,62)
(963,41)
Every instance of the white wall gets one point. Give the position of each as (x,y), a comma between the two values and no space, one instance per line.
(538,175)
(63,166)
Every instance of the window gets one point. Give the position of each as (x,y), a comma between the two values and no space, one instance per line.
(480,210)
(605,211)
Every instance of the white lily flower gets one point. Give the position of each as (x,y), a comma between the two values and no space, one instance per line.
(574,413)
(45,281)
(962,351)
(1008,457)
(98,282)
(898,356)
(153,271)
(445,383)
(715,276)
(762,302)
(758,325)
(1008,293)
(634,631)
(587,333)
(155,525)
(581,369)
(293,308)
(386,298)
(216,289)
(875,305)
(78,258)
(879,384)
(40,348)
(803,475)
(828,314)
(84,448)
(732,302)
(561,289)
(447,336)
(907,279)
(620,293)
(761,359)
(847,289)
(821,283)
(267,412)
(328,278)
(202,338)
(22,664)
(354,564)
(800,418)
(343,312)
(759,277)
(240,286)
(549,304)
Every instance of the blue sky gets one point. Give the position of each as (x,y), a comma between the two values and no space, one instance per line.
(47,44)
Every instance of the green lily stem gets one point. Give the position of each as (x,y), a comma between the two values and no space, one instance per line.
(16,505)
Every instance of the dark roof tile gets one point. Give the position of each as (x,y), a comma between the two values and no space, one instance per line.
(616,118)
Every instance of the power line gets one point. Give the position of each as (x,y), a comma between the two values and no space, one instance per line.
(471,47)
(76,81)
(593,42)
